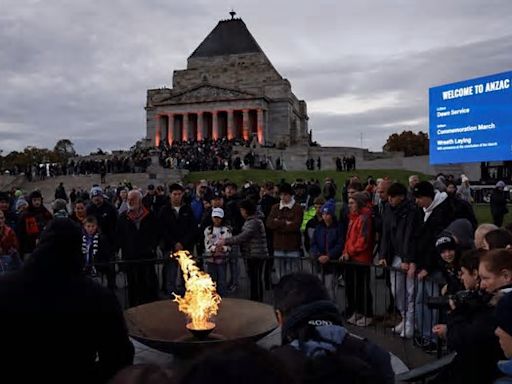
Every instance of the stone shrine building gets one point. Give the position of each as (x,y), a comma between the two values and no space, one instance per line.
(231,90)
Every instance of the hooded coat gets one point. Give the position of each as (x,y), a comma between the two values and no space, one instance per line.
(50,303)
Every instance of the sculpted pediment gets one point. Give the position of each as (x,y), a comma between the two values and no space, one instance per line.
(202,93)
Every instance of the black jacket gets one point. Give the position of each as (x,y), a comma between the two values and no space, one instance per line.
(498,202)
(232,215)
(68,327)
(470,332)
(177,228)
(426,256)
(154,202)
(137,243)
(106,214)
(398,231)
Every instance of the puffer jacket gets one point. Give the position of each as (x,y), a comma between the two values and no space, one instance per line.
(327,241)
(252,238)
(359,242)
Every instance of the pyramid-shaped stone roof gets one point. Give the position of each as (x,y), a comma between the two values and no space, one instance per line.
(229,37)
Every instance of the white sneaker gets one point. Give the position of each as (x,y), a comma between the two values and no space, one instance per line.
(398,329)
(364,321)
(354,318)
(407,331)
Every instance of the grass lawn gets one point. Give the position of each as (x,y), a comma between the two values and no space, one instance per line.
(259,176)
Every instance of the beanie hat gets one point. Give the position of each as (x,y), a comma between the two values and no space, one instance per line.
(445,242)
(500,184)
(18,193)
(96,191)
(59,205)
(504,313)
(423,188)
(218,212)
(329,207)
(20,203)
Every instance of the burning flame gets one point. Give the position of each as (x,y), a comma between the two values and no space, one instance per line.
(201,300)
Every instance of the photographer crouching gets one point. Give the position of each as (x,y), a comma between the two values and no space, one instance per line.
(470,326)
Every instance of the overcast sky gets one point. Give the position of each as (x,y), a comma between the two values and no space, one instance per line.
(80,69)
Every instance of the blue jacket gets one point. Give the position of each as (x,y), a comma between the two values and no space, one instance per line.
(197,208)
(327,241)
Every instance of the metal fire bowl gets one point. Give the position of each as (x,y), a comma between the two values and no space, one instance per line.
(161,326)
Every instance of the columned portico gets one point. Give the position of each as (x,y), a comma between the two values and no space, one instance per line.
(228,123)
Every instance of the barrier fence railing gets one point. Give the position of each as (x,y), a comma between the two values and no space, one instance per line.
(375,296)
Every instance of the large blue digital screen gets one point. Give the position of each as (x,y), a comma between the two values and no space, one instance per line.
(471,121)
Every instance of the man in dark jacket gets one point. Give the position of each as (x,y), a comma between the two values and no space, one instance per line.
(152,200)
(178,226)
(31,223)
(50,305)
(397,251)
(266,202)
(137,236)
(499,203)
(435,215)
(312,332)
(104,211)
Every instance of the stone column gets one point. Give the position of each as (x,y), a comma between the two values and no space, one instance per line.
(231,125)
(170,128)
(185,133)
(260,127)
(200,129)
(157,131)
(215,126)
(245,124)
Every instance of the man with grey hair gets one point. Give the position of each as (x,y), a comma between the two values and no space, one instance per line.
(137,236)
(413,180)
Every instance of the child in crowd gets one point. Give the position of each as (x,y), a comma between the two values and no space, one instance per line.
(95,248)
(450,255)
(216,255)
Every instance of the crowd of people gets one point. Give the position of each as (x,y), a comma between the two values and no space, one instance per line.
(424,235)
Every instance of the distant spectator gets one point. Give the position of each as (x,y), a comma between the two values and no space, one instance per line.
(499,203)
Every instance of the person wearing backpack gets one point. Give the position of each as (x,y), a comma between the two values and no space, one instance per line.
(316,346)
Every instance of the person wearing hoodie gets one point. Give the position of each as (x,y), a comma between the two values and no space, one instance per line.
(253,243)
(499,203)
(358,253)
(397,251)
(504,333)
(284,221)
(51,303)
(315,346)
(31,223)
(435,214)
(327,243)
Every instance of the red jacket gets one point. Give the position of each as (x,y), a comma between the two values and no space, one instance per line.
(359,243)
(8,241)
